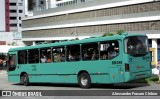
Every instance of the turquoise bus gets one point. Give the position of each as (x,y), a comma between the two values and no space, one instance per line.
(99,60)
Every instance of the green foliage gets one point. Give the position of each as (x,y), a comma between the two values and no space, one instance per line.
(107,34)
(147,80)
(119,32)
(13,44)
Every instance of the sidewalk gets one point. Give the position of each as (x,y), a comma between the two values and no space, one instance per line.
(3,71)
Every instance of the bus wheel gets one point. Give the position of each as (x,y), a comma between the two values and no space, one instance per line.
(84,80)
(25,80)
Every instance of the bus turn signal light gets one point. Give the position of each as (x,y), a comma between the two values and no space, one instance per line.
(126,67)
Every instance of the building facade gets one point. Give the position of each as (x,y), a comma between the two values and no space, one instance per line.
(88,18)
(16,13)
(4,16)
(12,11)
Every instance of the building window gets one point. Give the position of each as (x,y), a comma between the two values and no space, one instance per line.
(20,11)
(150,42)
(31,4)
(20,4)
(12,4)
(19,18)
(13,25)
(82,0)
(20,25)
(41,2)
(12,11)
(13,18)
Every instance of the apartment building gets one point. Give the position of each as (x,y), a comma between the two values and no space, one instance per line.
(4,16)
(16,13)
(12,11)
(88,18)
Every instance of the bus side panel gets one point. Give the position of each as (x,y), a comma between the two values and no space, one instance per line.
(33,71)
(100,78)
(139,75)
(59,72)
(139,67)
(12,77)
(36,78)
(61,78)
(67,72)
(113,74)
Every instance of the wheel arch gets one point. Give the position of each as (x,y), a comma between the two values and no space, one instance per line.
(22,73)
(83,71)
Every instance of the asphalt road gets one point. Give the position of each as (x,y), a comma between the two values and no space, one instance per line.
(70,89)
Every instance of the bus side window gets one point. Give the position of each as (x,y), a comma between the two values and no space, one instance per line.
(109,50)
(73,53)
(90,51)
(12,62)
(22,57)
(45,55)
(104,51)
(33,56)
(58,54)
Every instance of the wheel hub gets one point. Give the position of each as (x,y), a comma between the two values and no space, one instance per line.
(84,81)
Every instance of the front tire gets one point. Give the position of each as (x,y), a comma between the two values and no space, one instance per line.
(25,79)
(84,80)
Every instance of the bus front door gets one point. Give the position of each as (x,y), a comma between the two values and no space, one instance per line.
(13,72)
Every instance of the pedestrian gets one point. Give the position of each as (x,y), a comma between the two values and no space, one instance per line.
(158,67)
(1,64)
(156,71)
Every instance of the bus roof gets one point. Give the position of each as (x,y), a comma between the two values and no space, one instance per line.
(72,42)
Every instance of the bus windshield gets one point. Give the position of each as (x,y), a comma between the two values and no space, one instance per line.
(136,45)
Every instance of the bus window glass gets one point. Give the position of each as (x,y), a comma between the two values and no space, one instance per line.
(33,56)
(45,55)
(90,51)
(109,50)
(22,57)
(12,62)
(73,53)
(58,54)
(136,45)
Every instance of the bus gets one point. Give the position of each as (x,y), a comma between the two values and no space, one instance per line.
(97,60)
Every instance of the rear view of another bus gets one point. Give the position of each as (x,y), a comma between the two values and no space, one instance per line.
(137,58)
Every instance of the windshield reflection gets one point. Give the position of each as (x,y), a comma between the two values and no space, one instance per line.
(136,45)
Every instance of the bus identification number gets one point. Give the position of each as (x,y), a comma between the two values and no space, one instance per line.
(146,57)
(116,62)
